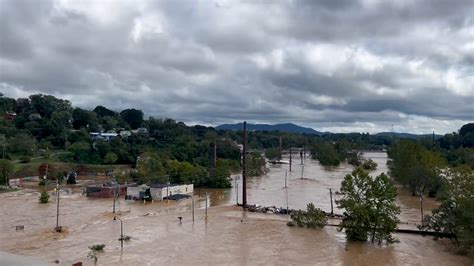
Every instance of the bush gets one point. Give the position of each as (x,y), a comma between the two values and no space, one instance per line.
(44,197)
(369,164)
(311,218)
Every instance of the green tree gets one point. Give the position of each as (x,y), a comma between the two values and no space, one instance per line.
(369,206)
(273,154)
(455,214)
(416,167)
(133,117)
(255,164)
(80,151)
(44,197)
(102,111)
(326,154)
(6,104)
(22,144)
(369,164)
(45,105)
(465,129)
(85,119)
(311,218)
(110,158)
(6,168)
(150,167)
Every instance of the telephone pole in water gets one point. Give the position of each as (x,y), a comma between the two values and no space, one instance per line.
(244,170)
(58,228)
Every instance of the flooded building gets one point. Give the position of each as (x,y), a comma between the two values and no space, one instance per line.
(106,190)
(157,191)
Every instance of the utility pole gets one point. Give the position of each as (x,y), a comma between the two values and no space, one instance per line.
(46,178)
(286,178)
(121,231)
(236,191)
(421,206)
(58,229)
(287,208)
(301,157)
(192,205)
(167,189)
(115,195)
(206,204)
(302,172)
(279,148)
(244,170)
(330,195)
(290,159)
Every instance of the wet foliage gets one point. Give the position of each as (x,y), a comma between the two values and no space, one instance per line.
(44,197)
(311,218)
(370,209)
(455,214)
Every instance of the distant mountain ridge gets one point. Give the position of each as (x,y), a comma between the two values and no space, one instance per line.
(406,135)
(292,128)
(286,127)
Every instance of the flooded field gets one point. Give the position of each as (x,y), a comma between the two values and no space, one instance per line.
(228,237)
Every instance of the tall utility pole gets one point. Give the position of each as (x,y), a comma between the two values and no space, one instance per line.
(115,196)
(207,199)
(46,178)
(330,195)
(286,179)
(279,148)
(290,159)
(421,206)
(58,229)
(302,172)
(244,165)
(192,198)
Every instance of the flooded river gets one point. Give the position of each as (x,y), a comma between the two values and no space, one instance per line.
(310,182)
(228,237)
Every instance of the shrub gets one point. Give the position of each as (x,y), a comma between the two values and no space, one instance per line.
(44,197)
(311,218)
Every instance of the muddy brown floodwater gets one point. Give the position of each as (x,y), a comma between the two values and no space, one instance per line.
(228,237)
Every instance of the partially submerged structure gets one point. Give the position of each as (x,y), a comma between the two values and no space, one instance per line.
(158,192)
(106,190)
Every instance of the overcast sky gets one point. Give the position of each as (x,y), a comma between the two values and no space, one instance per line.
(333,65)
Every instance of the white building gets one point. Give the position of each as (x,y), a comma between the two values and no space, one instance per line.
(158,192)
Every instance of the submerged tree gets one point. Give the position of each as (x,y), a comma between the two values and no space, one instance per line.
(44,197)
(455,214)
(370,207)
(311,218)
(94,252)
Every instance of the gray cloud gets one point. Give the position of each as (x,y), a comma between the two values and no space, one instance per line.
(332,65)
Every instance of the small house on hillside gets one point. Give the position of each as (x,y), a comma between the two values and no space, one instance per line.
(34,116)
(10,116)
(103,136)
